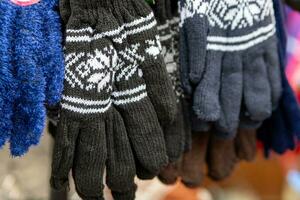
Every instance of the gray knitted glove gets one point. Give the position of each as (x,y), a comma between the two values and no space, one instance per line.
(241,64)
(241,43)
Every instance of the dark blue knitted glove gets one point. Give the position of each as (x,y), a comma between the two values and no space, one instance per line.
(279,133)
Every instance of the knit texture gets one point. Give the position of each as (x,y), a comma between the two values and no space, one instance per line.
(120,165)
(101,80)
(141,30)
(241,70)
(80,142)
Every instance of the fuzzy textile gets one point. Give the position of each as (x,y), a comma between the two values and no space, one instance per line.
(36,71)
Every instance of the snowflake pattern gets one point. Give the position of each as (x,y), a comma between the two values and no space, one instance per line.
(237,14)
(190,8)
(154,47)
(129,60)
(91,71)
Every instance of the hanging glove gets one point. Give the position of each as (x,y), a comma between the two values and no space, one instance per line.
(7,82)
(128,95)
(278,133)
(242,47)
(140,27)
(174,133)
(38,71)
(29,111)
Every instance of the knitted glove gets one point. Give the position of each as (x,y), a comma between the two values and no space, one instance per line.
(140,28)
(120,164)
(278,132)
(175,132)
(80,142)
(128,94)
(7,83)
(242,47)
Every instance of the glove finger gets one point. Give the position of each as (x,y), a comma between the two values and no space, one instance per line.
(89,160)
(206,103)
(175,137)
(230,95)
(120,166)
(145,134)
(256,85)
(63,153)
(184,63)
(196,27)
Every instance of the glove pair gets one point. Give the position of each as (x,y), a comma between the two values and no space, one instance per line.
(116,98)
(229,62)
(31,71)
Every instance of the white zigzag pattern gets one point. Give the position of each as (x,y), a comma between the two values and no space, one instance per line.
(117,33)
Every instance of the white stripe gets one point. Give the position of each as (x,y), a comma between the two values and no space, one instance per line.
(130,24)
(175,20)
(163,26)
(141,29)
(243,38)
(86,102)
(85,110)
(130,100)
(130,91)
(140,20)
(84,38)
(88,29)
(239,47)
(87,38)
(165,37)
(119,39)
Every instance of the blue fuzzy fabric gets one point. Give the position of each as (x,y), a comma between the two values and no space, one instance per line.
(54,68)
(7,83)
(38,62)
(279,133)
